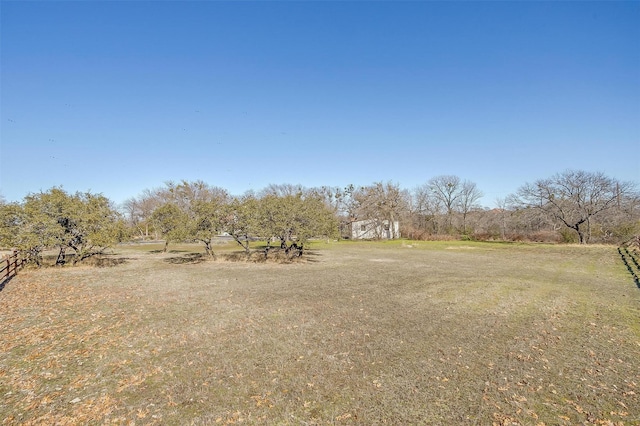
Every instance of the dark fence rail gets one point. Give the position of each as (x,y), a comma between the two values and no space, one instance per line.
(9,266)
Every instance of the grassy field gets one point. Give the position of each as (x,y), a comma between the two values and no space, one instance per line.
(360,333)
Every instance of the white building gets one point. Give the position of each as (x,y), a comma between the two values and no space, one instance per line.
(372,229)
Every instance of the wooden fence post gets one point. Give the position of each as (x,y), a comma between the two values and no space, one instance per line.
(9,266)
(15,262)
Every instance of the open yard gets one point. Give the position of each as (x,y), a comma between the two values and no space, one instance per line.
(360,333)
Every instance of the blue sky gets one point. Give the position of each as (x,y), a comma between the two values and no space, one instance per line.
(115,97)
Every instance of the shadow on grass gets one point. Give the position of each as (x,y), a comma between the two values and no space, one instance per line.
(633,259)
(5,281)
(108,262)
(103,261)
(312,256)
(626,262)
(276,256)
(187,259)
(159,251)
(99,261)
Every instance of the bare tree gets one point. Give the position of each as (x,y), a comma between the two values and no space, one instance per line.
(447,190)
(381,203)
(467,201)
(575,198)
(281,190)
(426,209)
(620,223)
(138,211)
(336,198)
(340,201)
(185,194)
(503,210)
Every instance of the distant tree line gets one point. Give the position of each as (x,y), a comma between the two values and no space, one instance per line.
(572,206)
(196,211)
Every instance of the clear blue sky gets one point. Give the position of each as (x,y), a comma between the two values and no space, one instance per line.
(115,97)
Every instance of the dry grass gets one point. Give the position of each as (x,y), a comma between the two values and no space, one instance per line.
(361,333)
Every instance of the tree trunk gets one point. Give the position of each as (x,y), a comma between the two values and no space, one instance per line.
(207,248)
(464,223)
(244,244)
(266,250)
(61,256)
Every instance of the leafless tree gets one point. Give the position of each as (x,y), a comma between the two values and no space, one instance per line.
(502,208)
(186,193)
(620,223)
(575,198)
(138,211)
(426,209)
(380,203)
(282,190)
(447,190)
(336,198)
(467,201)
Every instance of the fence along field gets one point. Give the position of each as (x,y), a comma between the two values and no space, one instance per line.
(362,333)
(9,266)
(629,253)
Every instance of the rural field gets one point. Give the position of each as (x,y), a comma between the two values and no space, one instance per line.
(397,333)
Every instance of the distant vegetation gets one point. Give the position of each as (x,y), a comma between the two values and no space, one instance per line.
(573,206)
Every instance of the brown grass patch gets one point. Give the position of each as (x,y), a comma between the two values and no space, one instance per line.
(502,334)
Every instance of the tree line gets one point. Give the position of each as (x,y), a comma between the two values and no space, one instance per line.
(572,206)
